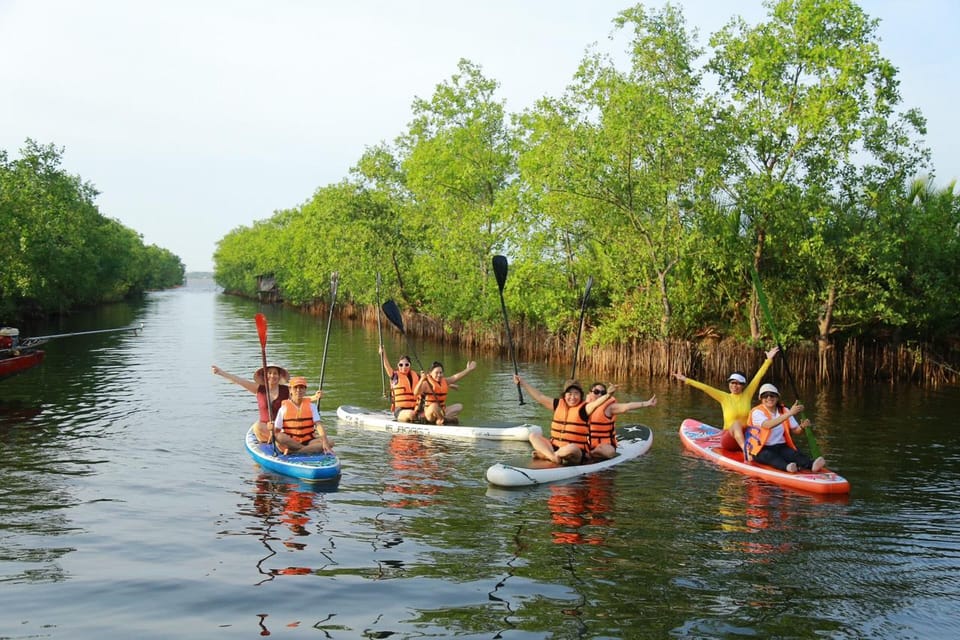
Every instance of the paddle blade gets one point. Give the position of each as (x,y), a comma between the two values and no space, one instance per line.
(392,311)
(500,270)
(261,328)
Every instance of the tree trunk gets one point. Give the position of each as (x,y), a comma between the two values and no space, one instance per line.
(667,309)
(754,297)
(824,322)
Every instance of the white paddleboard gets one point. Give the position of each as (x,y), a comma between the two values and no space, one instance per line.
(384,421)
(633,441)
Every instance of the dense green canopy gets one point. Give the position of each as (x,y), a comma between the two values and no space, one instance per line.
(666,174)
(58,252)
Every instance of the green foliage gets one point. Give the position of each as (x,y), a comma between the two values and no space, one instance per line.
(798,162)
(58,251)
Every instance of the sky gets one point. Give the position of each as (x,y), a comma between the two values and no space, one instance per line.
(195,117)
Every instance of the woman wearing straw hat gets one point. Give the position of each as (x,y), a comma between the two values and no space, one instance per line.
(277,382)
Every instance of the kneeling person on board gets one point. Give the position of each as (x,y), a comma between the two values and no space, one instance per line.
(769,442)
(603,418)
(569,441)
(433,388)
(298,426)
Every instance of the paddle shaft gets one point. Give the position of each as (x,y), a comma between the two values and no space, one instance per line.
(762,299)
(262,333)
(86,333)
(500,271)
(583,312)
(334,277)
(383,387)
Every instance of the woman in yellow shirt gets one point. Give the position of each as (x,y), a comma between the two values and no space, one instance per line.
(736,404)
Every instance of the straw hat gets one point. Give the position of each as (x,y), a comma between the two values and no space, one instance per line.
(284,374)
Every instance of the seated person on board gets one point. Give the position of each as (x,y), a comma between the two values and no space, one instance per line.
(735,404)
(768,434)
(298,427)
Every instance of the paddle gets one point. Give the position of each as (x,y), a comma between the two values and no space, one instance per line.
(334,277)
(500,271)
(811,441)
(583,311)
(383,388)
(262,332)
(392,311)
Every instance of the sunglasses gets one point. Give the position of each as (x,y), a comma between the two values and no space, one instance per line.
(403,364)
(598,392)
(768,395)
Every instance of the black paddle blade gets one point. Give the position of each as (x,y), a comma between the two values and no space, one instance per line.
(586,292)
(500,270)
(392,311)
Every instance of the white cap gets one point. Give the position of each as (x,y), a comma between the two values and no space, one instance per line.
(768,388)
(739,378)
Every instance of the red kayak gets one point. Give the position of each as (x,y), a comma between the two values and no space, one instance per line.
(14,364)
(704,441)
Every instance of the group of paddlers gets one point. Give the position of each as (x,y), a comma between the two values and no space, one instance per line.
(288,416)
(583,425)
(763,432)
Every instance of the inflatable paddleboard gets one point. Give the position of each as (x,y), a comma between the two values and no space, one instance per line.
(704,441)
(318,467)
(384,421)
(633,441)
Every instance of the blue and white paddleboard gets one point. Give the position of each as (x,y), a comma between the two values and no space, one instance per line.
(316,467)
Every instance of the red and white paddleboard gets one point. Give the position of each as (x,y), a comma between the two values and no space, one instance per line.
(704,441)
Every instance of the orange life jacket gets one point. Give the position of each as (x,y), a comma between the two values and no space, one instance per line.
(298,421)
(568,427)
(436,391)
(402,389)
(602,426)
(755,437)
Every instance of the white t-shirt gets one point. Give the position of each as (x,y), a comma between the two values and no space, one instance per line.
(776,436)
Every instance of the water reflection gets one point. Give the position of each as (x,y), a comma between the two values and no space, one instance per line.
(417,473)
(14,414)
(289,512)
(580,512)
(766,514)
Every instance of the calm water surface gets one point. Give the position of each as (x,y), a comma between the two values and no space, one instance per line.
(130,509)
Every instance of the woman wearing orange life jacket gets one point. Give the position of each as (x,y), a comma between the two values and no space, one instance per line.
(433,387)
(770,442)
(603,419)
(569,441)
(403,381)
(298,423)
